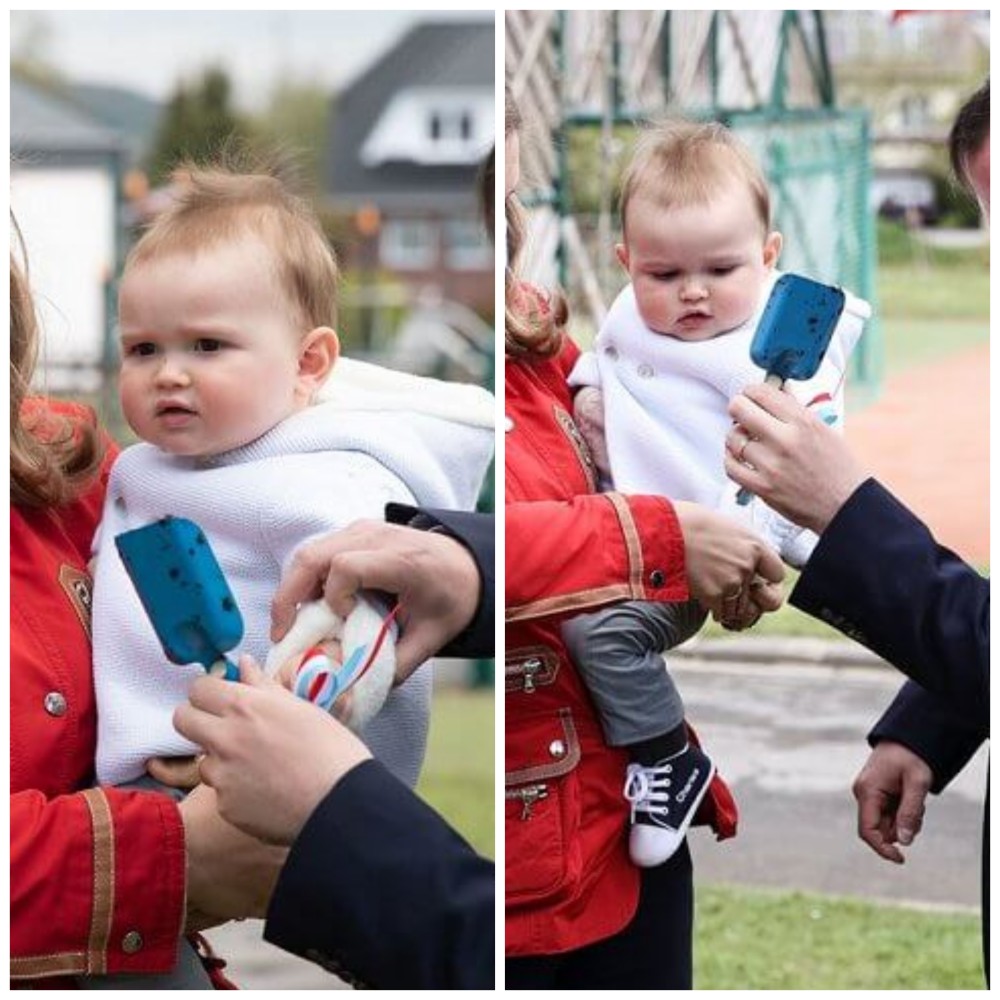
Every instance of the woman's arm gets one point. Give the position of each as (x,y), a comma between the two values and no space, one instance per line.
(596,549)
(97,883)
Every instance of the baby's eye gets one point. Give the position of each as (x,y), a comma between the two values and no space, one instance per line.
(723,269)
(207,345)
(666,275)
(143,349)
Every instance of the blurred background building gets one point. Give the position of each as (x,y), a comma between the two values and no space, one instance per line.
(390,154)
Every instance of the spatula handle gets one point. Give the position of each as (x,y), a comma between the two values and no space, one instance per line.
(744,496)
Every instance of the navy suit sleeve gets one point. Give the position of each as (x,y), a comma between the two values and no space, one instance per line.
(921,722)
(379,889)
(476,532)
(878,575)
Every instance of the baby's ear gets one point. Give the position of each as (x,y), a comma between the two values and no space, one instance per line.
(621,252)
(317,356)
(772,249)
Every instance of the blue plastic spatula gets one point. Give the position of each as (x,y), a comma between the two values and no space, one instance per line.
(794,333)
(184,592)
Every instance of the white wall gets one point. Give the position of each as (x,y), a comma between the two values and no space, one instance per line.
(66,217)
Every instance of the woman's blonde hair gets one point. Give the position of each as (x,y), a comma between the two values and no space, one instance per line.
(244,195)
(533,324)
(677,163)
(52,457)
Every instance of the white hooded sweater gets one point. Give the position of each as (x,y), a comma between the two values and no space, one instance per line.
(385,437)
(666,408)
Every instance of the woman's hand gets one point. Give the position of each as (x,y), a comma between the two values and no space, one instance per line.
(730,571)
(270,756)
(788,457)
(229,875)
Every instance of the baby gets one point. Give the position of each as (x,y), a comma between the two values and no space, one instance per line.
(674,349)
(226,317)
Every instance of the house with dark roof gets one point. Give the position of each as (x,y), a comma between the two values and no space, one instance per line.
(406,144)
(65,190)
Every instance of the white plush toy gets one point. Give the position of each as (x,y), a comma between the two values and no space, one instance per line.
(368,642)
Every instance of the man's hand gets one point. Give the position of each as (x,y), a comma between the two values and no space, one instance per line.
(730,571)
(891,789)
(788,457)
(434,576)
(271,757)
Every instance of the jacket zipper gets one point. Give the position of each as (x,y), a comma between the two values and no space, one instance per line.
(528,795)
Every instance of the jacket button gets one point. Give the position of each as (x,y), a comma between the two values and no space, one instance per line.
(557,748)
(132,942)
(646,370)
(611,352)
(55,704)
(656,578)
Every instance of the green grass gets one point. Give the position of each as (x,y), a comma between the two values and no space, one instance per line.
(458,776)
(931,302)
(770,940)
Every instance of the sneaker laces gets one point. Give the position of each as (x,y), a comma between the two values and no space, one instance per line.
(646,789)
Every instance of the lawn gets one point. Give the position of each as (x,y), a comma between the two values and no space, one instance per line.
(458,776)
(768,940)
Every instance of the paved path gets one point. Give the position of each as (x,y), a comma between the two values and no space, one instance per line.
(790,740)
(927,439)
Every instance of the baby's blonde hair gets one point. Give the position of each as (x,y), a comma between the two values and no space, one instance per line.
(679,163)
(221,203)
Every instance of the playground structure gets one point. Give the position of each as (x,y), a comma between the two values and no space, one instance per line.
(585,79)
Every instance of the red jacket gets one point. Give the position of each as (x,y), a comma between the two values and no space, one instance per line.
(97,875)
(569,880)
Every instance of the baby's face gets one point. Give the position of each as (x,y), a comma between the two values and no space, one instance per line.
(697,270)
(210,349)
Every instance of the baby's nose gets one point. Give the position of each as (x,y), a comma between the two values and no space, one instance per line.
(171,372)
(693,288)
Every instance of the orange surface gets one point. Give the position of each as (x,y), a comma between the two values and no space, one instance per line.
(927,439)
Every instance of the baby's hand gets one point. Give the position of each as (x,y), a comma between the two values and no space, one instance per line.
(287,675)
(588,412)
(289,670)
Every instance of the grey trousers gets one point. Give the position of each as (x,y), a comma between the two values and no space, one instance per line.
(187,974)
(618,652)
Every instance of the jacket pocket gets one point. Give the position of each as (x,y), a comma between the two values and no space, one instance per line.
(530,668)
(542,809)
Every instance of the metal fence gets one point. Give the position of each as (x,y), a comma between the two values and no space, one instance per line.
(586,79)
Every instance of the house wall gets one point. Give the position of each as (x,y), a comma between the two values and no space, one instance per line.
(420,250)
(66,217)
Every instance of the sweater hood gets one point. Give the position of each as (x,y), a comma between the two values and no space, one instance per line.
(436,436)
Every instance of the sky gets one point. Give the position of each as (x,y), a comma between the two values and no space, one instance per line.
(148,51)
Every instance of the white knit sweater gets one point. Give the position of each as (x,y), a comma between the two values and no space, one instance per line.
(666,408)
(317,471)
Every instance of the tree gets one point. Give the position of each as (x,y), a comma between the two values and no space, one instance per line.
(297,119)
(31,49)
(197,123)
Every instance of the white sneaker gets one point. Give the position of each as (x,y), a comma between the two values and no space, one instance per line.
(665,798)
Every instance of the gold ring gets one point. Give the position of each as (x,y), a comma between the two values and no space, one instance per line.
(743,448)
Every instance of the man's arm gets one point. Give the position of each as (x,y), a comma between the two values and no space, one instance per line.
(878,575)
(919,721)
(918,747)
(379,888)
(477,533)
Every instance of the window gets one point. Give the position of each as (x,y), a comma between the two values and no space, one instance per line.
(450,125)
(408,244)
(466,246)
